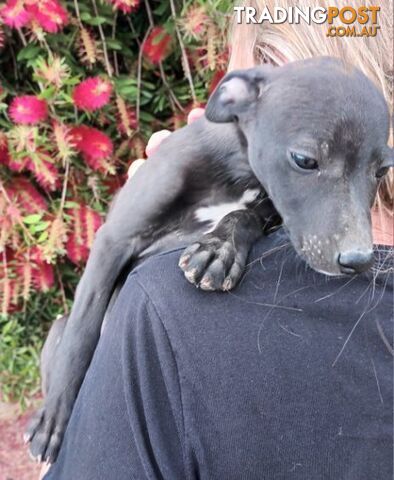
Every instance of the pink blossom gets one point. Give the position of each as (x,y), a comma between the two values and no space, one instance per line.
(92,93)
(49,14)
(14,14)
(28,109)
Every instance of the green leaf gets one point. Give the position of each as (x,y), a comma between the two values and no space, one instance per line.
(85,16)
(146,117)
(43,237)
(32,219)
(70,204)
(127,91)
(29,52)
(95,21)
(114,44)
(161,9)
(48,93)
(39,227)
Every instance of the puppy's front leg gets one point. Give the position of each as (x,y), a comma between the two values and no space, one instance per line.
(217,261)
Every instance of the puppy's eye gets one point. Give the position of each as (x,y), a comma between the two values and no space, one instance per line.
(382,172)
(304,162)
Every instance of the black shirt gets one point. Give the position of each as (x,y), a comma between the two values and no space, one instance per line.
(289,376)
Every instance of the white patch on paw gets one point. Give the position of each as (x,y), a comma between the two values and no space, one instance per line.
(215,213)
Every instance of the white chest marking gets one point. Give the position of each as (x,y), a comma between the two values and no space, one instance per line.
(215,213)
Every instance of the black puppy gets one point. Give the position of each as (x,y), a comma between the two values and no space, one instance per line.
(310,136)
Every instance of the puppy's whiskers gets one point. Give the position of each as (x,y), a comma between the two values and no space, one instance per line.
(363,314)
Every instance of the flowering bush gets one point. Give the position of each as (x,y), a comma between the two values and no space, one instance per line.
(83,84)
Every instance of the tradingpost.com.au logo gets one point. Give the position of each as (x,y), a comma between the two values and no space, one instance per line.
(356,22)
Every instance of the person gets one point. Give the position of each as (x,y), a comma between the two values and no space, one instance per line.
(289,376)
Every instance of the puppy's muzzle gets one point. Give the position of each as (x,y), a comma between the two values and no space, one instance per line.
(355,261)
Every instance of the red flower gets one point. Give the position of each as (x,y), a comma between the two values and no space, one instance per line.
(22,193)
(156,46)
(43,277)
(126,6)
(28,109)
(49,14)
(94,145)
(14,14)
(92,93)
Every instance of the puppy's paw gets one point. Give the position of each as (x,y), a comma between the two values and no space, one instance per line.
(45,433)
(213,263)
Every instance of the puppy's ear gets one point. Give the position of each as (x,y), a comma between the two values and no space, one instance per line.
(388,157)
(236,93)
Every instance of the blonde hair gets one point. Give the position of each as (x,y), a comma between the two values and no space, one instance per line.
(253,44)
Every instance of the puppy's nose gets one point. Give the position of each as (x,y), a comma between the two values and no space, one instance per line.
(355,261)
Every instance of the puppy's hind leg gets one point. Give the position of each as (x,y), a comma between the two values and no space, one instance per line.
(74,353)
(48,351)
(127,231)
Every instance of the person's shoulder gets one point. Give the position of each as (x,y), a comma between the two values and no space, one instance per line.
(157,270)
(277,284)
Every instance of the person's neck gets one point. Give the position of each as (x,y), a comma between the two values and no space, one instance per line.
(382,227)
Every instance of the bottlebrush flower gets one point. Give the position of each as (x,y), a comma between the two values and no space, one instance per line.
(22,139)
(17,164)
(195,22)
(63,140)
(126,6)
(127,119)
(92,93)
(23,194)
(137,146)
(43,277)
(57,237)
(85,222)
(14,14)
(49,14)
(24,273)
(52,72)
(28,109)
(8,284)
(87,48)
(94,146)
(44,171)
(4,153)
(156,46)
(2,36)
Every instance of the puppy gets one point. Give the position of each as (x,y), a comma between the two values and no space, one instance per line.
(307,141)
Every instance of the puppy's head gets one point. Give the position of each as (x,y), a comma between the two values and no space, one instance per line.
(317,135)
